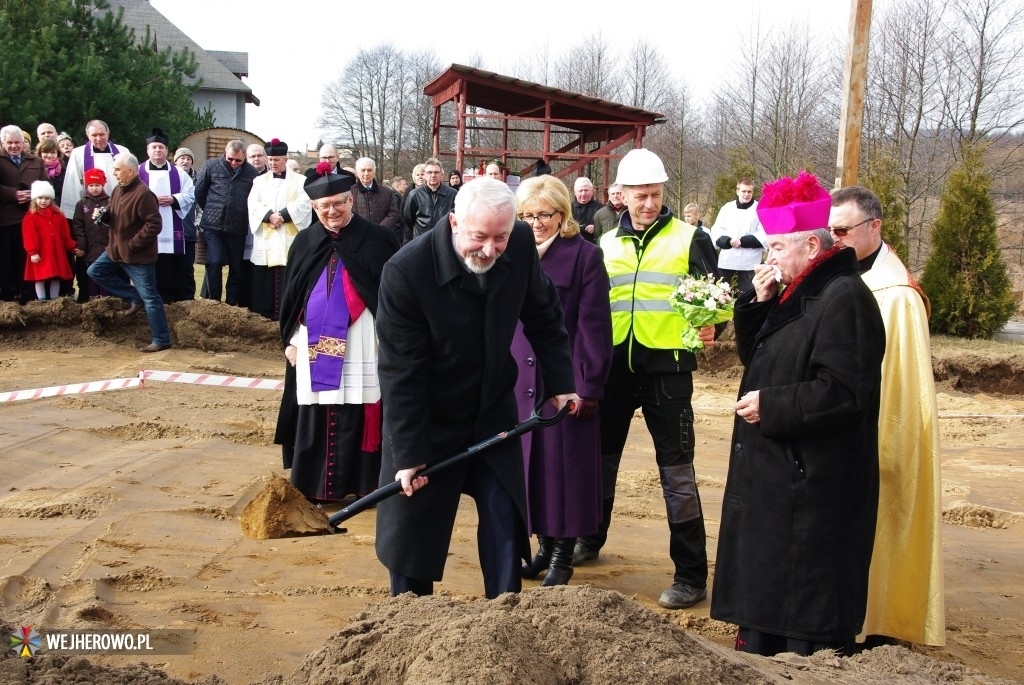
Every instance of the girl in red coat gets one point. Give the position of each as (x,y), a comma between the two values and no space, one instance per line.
(47,238)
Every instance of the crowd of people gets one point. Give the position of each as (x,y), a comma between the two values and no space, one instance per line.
(417,319)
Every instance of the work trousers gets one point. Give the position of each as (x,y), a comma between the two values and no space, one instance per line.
(665,401)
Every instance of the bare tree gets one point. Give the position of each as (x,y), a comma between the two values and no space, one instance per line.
(984,92)
(360,105)
(423,68)
(645,77)
(680,144)
(778,108)
(904,112)
(736,101)
(589,68)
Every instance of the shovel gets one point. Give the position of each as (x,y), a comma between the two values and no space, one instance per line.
(535,421)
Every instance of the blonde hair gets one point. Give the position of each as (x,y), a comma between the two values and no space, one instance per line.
(552,191)
(33,205)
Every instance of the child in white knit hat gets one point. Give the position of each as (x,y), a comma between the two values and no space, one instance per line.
(47,239)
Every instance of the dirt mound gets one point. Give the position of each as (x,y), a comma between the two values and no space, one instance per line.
(281,511)
(199,324)
(68,505)
(62,670)
(515,639)
(977,373)
(216,327)
(546,636)
(578,635)
(975,516)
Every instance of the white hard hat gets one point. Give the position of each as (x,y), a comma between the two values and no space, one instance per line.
(640,167)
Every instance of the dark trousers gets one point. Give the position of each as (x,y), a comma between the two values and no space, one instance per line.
(67,286)
(168,276)
(265,293)
(498,533)
(744,280)
(188,272)
(770,644)
(665,400)
(223,249)
(12,263)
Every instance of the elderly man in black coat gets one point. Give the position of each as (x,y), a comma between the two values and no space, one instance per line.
(329,421)
(449,304)
(798,517)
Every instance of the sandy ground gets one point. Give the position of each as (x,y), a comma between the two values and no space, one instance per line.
(120,509)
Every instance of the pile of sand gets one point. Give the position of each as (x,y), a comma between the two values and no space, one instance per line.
(566,635)
(281,511)
(574,635)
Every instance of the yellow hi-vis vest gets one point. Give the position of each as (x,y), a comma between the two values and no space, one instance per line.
(643,276)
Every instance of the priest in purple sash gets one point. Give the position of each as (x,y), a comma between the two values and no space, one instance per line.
(98,153)
(175,194)
(329,424)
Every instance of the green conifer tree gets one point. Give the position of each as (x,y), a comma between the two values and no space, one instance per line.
(69,61)
(882,178)
(725,185)
(965,276)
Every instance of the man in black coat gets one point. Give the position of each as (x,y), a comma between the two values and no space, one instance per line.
(798,516)
(429,203)
(585,207)
(329,422)
(222,192)
(449,303)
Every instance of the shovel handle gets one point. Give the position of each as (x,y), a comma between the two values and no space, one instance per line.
(382,493)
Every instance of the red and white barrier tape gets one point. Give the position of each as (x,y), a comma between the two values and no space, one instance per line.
(206,379)
(72,389)
(144,375)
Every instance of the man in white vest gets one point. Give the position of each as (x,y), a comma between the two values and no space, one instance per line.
(738,234)
(278,209)
(175,194)
(98,153)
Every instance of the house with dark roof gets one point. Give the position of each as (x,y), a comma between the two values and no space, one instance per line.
(221,72)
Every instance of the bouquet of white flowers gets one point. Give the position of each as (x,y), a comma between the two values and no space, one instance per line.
(702,301)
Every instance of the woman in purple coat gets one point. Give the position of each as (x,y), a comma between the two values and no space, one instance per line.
(563,462)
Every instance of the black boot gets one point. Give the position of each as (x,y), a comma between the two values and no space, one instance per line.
(560,570)
(540,562)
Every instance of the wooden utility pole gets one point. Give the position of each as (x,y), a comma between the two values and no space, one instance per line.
(851,117)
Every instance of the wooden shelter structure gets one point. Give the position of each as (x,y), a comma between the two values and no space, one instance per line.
(208,143)
(518,123)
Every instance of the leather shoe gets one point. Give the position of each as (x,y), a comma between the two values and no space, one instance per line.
(583,553)
(539,564)
(154,347)
(682,596)
(134,309)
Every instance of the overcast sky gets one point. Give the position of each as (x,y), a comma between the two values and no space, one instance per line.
(296,47)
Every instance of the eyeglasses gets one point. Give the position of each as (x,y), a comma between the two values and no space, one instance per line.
(841,231)
(325,208)
(543,217)
(236,160)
